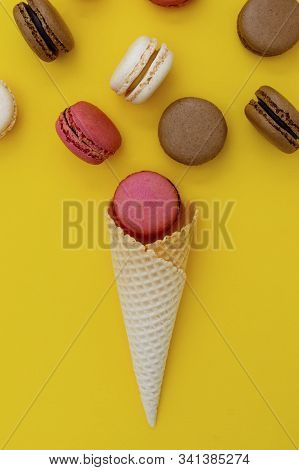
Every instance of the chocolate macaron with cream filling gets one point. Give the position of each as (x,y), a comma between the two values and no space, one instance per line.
(43,29)
(276,118)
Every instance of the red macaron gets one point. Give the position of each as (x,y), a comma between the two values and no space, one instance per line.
(170,3)
(146,205)
(88,132)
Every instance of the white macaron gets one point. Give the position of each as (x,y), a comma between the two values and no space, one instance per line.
(142,70)
(8,109)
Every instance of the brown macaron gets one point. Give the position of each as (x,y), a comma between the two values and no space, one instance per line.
(43,29)
(192,131)
(269,27)
(276,118)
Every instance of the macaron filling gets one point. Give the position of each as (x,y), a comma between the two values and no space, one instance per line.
(141,76)
(277,119)
(39,27)
(76,137)
(53,36)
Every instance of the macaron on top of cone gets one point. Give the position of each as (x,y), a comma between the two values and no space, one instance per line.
(43,29)
(142,70)
(146,205)
(88,132)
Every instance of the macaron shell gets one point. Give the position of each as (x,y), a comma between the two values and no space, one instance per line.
(53,24)
(8,109)
(132,64)
(269,27)
(268,127)
(76,144)
(88,132)
(96,126)
(31,35)
(146,205)
(281,106)
(192,131)
(170,3)
(154,77)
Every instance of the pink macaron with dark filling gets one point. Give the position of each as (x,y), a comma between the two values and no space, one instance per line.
(146,205)
(88,132)
(170,3)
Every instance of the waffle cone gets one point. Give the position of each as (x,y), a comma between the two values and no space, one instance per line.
(150,281)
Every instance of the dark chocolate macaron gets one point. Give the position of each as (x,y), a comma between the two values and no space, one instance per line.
(192,131)
(269,27)
(276,118)
(43,29)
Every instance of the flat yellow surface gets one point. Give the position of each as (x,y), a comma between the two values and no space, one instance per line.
(232,374)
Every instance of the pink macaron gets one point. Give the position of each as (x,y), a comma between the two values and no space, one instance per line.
(170,3)
(88,132)
(146,205)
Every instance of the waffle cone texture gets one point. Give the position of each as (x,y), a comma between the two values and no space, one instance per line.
(150,282)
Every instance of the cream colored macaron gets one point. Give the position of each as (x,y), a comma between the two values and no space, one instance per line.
(8,109)
(142,70)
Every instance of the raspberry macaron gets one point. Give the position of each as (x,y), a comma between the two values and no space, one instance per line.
(88,132)
(146,205)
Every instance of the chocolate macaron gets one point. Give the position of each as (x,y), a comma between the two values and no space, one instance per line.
(276,118)
(43,29)
(269,27)
(192,131)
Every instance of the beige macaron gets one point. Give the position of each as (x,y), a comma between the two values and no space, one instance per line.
(8,109)
(142,70)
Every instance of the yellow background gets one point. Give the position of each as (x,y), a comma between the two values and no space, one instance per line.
(232,374)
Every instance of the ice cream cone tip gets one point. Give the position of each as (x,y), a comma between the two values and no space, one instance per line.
(152,418)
